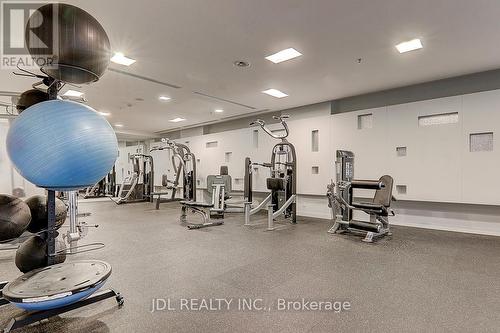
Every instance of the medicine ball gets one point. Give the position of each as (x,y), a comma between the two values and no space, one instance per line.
(18,192)
(38,207)
(32,253)
(15,217)
(29,98)
(62,145)
(82,50)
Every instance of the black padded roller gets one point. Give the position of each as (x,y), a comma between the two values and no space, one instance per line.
(366,226)
(367,184)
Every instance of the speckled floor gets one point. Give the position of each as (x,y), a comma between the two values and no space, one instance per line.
(418,281)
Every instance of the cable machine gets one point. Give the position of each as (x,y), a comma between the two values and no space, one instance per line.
(184,164)
(283,181)
(105,187)
(138,186)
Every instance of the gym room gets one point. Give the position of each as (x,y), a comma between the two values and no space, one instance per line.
(250,166)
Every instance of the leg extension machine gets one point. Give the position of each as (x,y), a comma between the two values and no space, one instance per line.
(342,204)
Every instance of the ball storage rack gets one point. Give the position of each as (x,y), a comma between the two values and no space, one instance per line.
(70,295)
(31,317)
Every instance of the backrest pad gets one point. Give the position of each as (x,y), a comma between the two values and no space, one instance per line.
(384,195)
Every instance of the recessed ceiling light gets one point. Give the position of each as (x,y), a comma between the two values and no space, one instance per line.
(118,125)
(176,120)
(410,45)
(164,98)
(73,93)
(218,110)
(284,55)
(121,59)
(275,93)
(105,114)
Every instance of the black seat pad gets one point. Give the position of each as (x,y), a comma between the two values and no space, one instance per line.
(367,205)
(196,204)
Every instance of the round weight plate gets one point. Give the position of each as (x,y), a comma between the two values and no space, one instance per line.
(57,285)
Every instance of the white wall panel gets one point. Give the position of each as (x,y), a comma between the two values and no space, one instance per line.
(481,170)
(301,136)
(432,168)
(369,145)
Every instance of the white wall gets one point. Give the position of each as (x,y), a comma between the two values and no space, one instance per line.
(481,170)
(439,166)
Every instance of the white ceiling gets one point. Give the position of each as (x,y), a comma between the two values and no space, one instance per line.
(193,44)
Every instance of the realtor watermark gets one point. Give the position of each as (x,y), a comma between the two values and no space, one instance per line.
(248,305)
(20,33)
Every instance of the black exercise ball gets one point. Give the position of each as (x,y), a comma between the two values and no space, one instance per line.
(18,192)
(83,51)
(38,207)
(32,253)
(15,217)
(29,98)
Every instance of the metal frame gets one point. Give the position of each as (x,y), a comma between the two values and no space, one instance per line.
(184,162)
(340,202)
(289,207)
(103,188)
(147,175)
(33,317)
(215,209)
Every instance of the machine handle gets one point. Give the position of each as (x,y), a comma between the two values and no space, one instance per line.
(282,119)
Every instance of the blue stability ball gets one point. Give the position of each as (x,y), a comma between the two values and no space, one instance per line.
(62,145)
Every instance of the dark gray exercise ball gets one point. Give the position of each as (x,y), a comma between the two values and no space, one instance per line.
(32,253)
(15,217)
(18,192)
(38,207)
(82,51)
(29,98)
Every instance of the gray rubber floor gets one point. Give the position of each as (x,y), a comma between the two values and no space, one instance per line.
(418,281)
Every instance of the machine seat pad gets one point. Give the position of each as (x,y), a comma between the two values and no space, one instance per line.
(370,206)
(160,193)
(197,204)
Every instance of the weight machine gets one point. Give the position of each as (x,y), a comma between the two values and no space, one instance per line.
(184,164)
(283,181)
(211,213)
(342,204)
(138,186)
(77,229)
(105,187)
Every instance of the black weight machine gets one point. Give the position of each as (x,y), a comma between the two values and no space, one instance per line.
(283,181)
(105,187)
(342,204)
